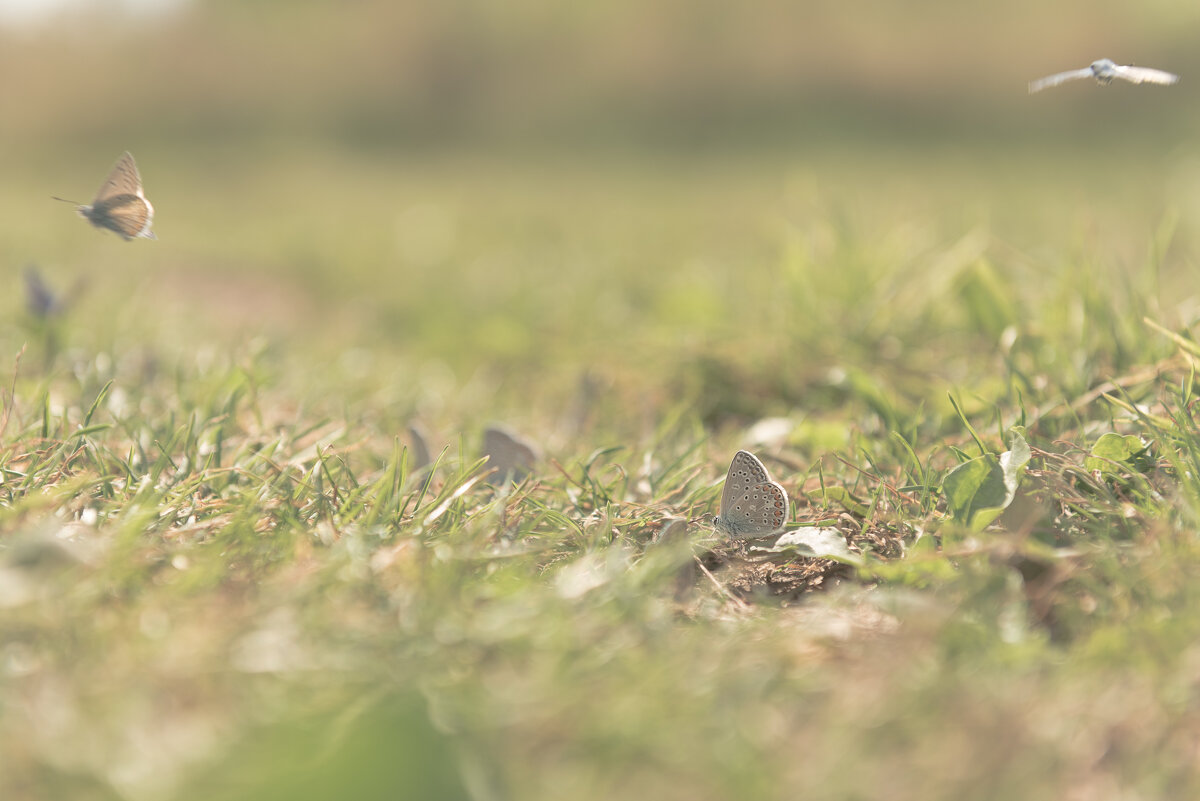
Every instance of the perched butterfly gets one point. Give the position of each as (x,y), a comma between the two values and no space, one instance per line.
(1104,71)
(420,447)
(752,505)
(121,205)
(512,456)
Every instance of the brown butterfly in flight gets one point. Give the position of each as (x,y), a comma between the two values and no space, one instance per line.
(120,205)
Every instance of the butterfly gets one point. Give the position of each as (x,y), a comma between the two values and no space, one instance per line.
(511,455)
(420,447)
(120,205)
(752,505)
(1104,71)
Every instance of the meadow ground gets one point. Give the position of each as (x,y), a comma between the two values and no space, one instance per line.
(222,575)
(955,321)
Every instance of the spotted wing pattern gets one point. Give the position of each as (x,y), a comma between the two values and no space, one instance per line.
(752,505)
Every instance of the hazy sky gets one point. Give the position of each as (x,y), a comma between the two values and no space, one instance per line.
(32,12)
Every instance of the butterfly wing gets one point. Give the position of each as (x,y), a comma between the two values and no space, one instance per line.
(509,453)
(121,204)
(122,180)
(776,500)
(751,494)
(420,447)
(1057,78)
(1145,75)
(744,472)
(128,215)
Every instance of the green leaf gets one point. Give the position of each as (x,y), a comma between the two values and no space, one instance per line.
(1013,463)
(977,491)
(1113,449)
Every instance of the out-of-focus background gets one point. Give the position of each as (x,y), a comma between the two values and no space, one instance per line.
(471,180)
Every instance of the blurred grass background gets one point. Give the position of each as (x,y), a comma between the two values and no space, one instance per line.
(374,144)
(543,184)
(372,213)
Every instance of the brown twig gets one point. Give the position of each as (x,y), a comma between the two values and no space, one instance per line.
(738,602)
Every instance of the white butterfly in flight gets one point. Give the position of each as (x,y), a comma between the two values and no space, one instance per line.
(1104,71)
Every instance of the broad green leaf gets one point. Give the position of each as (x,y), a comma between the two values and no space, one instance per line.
(1013,462)
(1125,449)
(977,491)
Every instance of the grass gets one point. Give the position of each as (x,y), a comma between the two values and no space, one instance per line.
(223,574)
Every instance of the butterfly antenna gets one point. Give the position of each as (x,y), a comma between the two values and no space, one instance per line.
(64,200)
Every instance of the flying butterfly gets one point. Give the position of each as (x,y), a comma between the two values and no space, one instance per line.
(121,204)
(1104,71)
